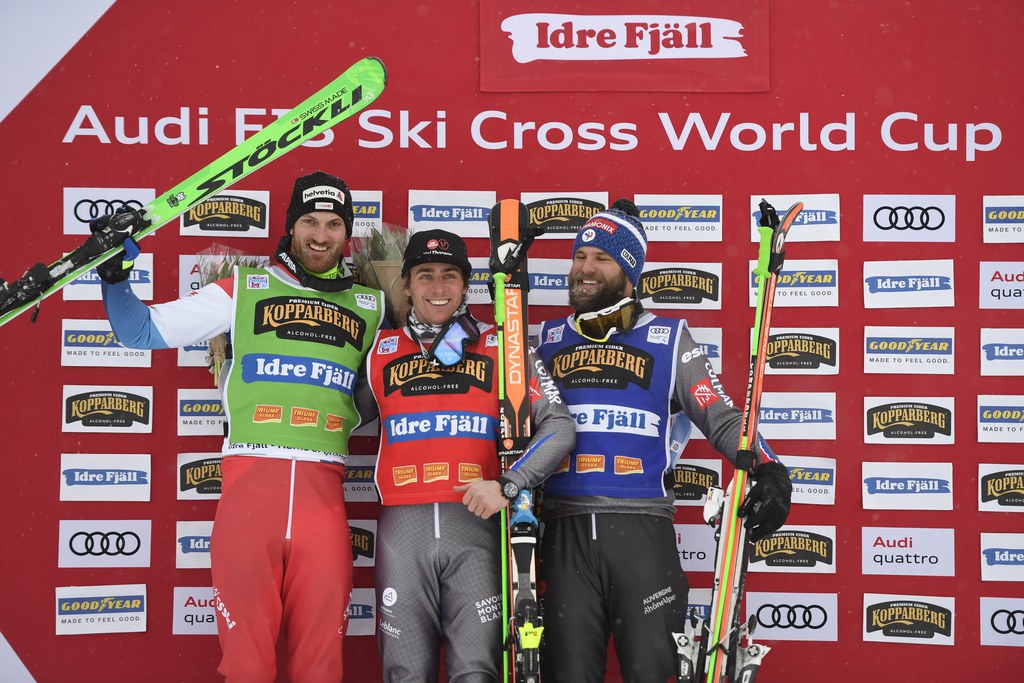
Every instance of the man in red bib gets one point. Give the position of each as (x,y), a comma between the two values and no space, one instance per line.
(438,566)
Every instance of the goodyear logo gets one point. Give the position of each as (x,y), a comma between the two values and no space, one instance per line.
(563,215)
(189,407)
(793,548)
(906,485)
(359,473)
(366,209)
(681,214)
(232,213)
(820,476)
(801,278)
(1003,351)
(1005,214)
(448,214)
(937,346)
(1005,488)
(909,420)
(909,619)
(90,339)
(679,285)
(110,604)
(1001,414)
(908,283)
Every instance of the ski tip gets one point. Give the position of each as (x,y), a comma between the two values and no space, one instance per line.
(383,67)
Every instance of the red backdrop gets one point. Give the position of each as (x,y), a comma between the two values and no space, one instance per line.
(949,63)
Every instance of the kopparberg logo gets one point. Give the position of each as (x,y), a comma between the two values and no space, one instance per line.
(563,215)
(800,350)
(908,283)
(909,619)
(202,475)
(909,420)
(609,366)
(204,407)
(90,339)
(784,416)
(227,213)
(109,604)
(1005,488)
(194,544)
(793,548)
(907,485)
(810,217)
(819,476)
(799,279)
(362,542)
(107,409)
(681,214)
(1001,414)
(440,425)
(104,477)
(306,319)
(690,482)
(1003,351)
(265,367)
(441,213)
(911,346)
(679,285)
(1003,557)
(417,376)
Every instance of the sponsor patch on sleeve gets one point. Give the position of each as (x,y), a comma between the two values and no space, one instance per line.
(704,393)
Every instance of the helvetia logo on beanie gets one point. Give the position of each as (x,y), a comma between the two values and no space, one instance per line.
(323,192)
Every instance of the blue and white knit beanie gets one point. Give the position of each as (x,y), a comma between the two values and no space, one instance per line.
(618,232)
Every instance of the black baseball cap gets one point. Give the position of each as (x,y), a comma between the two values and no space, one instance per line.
(436,246)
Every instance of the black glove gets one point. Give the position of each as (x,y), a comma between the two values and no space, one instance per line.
(767,505)
(119,266)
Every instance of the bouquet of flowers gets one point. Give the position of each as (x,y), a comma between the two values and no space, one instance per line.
(216,263)
(377,258)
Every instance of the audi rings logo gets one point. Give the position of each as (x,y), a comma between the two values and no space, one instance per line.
(1006,621)
(98,543)
(792,616)
(88,209)
(909,217)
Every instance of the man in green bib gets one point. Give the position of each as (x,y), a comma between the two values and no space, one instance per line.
(300,329)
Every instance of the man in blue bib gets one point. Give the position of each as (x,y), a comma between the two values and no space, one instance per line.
(608,559)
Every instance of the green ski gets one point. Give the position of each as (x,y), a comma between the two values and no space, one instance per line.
(343,97)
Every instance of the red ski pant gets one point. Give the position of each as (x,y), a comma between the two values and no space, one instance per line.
(281,557)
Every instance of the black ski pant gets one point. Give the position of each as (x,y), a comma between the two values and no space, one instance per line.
(617,574)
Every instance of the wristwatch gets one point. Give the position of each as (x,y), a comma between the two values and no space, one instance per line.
(509,488)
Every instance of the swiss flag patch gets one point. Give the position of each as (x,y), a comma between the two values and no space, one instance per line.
(704,393)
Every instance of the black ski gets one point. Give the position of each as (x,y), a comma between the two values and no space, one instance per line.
(511,235)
